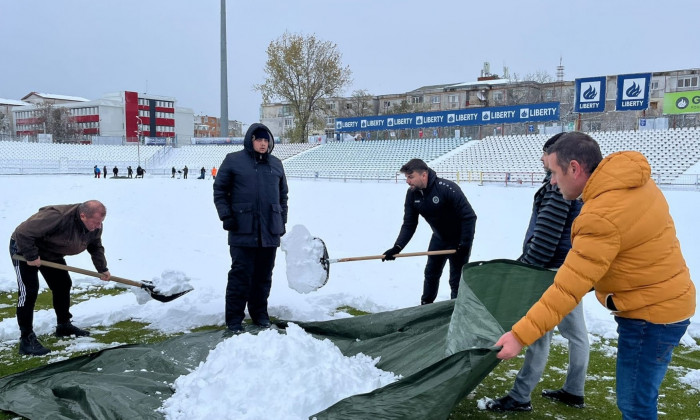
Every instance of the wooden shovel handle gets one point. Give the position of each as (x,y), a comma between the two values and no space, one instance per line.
(407,254)
(81,271)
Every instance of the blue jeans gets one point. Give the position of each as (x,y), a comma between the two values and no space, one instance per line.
(643,353)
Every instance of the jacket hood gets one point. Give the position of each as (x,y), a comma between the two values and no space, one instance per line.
(621,170)
(248,139)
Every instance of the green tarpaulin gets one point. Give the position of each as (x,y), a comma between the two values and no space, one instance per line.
(442,350)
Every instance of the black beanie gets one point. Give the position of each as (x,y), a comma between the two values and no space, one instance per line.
(261,133)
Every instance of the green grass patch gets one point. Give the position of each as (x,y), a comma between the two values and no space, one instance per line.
(350,310)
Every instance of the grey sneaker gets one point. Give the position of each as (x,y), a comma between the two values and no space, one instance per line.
(31,346)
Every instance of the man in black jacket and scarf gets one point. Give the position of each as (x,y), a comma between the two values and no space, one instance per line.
(250,195)
(444,206)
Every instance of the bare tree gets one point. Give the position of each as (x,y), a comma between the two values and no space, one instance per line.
(4,124)
(540,76)
(522,92)
(358,105)
(57,121)
(303,70)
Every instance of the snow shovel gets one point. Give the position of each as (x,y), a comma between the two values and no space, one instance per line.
(145,285)
(326,262)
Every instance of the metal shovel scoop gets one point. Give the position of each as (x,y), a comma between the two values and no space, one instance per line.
(145,285)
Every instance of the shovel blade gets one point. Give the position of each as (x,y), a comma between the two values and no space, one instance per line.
(325,261)
(150,289)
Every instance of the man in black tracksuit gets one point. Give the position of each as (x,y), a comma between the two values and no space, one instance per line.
(444,206)
(250,194)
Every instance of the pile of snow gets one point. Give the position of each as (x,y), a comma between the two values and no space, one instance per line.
(293,375)
(170,283)
(303,252)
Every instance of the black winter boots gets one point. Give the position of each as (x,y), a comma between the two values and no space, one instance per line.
(68,329)
(31,346)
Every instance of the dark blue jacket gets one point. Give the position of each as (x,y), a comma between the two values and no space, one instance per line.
(444,206)
(252,189)
(548,236)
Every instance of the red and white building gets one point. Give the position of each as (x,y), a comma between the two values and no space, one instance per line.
(127,114)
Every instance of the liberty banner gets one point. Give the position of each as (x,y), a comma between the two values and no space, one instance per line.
(590,94)
(632,92)
(548,111)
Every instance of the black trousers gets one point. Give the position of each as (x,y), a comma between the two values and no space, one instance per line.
(434,267)
(249,282)
(28,283)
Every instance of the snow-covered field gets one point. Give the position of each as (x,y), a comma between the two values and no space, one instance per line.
(166,229)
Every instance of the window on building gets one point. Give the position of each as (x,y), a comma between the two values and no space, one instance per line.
(387,104)
(435,99)
(498,96)
(416,99)
(685,82)
(287,122)
(331,106)
(453,99)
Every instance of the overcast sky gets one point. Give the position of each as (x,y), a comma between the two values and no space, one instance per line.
(171,47)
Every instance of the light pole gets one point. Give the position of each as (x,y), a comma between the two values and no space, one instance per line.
(138,137)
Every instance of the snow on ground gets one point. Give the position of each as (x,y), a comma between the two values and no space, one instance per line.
(167,230)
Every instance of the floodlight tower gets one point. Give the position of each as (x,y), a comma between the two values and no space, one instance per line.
(224,79)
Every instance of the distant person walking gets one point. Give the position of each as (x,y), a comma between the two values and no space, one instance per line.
(104,172)
(130,172)
(115,171)
(97,171)
(139,172)
(202,173)
(173,171)
(184,172)
(213,172)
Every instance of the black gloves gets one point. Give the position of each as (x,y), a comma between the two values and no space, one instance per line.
(463,250)
(229,223)
(389,253)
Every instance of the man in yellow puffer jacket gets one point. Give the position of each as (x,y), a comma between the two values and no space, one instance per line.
(624,245)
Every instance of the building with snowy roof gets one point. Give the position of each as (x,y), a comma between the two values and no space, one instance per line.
(124,116)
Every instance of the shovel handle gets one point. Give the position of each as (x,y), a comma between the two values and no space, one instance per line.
(407,254)
(81,271)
